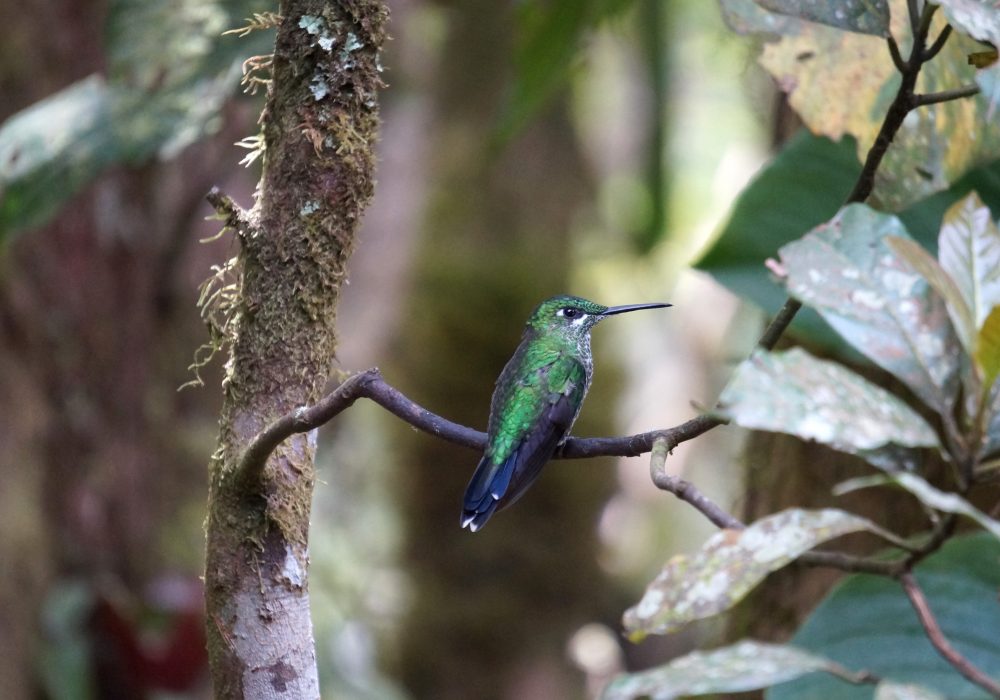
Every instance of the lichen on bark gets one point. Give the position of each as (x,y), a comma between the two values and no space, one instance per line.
(320,124)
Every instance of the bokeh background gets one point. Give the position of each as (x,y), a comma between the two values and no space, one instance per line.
(606,181)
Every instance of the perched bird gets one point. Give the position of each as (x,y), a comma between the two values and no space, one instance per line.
(537,398)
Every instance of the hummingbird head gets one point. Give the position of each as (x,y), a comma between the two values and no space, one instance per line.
(574,316)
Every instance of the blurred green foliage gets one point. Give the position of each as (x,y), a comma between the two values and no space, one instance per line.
(168,76)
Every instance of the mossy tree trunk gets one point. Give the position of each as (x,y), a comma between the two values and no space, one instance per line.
(320,126)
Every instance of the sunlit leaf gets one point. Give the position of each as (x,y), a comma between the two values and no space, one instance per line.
(969,249)
(846,271)
(793,392)
(864,16)
(988,347)
(843,83)
(729,565)
(822,61)
(746,665)
(888,690)
(867,622)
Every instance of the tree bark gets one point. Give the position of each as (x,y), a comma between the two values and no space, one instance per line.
(320,125)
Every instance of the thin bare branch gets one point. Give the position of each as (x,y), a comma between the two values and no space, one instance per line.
(685,490)
(897,58)
(940,642)
(933,98)
(938,44)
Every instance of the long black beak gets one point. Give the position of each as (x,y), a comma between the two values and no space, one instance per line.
(632,307)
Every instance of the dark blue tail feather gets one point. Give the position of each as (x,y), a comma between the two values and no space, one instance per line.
(488,485)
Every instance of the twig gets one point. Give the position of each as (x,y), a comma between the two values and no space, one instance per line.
(685,490)
(940,642)
(934,98)
(938,44)
(897,58)
(370,385)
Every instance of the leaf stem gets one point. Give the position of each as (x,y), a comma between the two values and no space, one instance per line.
(940,642)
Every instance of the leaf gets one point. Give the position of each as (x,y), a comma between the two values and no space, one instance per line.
(969,249)
(979,19)
(927,267)
(988,347)
(818,62)
(795,393)
(746,665)
(845,270)
(843,83)
(945,501)
(888,690)
(747,17)
(867,622)
(864,16)
(803,186)
(729,565)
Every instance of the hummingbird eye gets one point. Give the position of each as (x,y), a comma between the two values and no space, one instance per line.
(570,312)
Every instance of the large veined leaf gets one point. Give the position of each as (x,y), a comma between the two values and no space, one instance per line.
(746,665)
(846,270)
(867,622)
(729,565)
(842,82)
(863,16)
(969,249)
(793,392)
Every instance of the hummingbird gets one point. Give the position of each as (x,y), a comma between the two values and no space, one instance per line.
(536,400)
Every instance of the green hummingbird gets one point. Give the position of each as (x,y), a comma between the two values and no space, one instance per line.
(537,398)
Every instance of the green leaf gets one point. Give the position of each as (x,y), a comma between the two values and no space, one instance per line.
(969,249)
(846,271)
(863,16)
(867,622)
(793,392)
(988,347)
(746,665)
(917,257)
(729,565)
